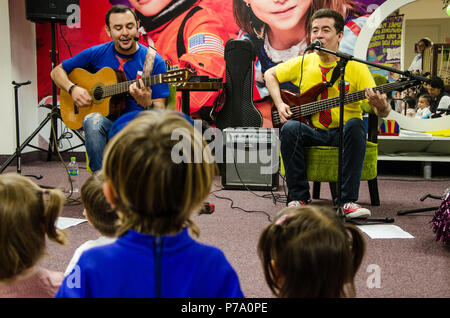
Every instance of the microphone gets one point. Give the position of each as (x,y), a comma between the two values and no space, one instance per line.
(314,45)
(136,38)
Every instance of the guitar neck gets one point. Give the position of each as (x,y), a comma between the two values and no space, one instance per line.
(315,107)
(123,87)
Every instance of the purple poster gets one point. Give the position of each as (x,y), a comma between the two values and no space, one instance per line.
(385,45)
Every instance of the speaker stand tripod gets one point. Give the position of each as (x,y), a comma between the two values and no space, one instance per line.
(52,116)
(17,154)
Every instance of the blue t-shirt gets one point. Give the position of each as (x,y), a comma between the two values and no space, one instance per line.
(123,120)
(105,55)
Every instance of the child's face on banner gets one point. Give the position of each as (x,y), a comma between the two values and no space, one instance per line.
(149,7)
(281,15)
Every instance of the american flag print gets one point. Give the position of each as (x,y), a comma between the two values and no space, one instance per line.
(205,42)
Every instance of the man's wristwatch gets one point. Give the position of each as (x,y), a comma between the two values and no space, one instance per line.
(71,89)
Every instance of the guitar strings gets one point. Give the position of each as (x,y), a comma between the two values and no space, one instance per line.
(122,87)
(317,106)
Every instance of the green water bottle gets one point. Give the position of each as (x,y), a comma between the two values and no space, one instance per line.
(74,172)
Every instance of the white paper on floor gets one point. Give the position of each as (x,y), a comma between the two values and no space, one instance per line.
(384,231)
(63,223)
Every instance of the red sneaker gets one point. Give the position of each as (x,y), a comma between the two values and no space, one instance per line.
(353,210)
(297,203)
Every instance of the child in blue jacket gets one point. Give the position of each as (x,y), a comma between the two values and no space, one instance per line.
(158,172)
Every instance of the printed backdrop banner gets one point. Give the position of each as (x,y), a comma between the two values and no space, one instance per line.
(69,41)
(91,31)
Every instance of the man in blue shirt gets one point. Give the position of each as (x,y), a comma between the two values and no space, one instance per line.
(123,53)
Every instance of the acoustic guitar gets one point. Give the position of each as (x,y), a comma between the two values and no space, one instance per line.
(304,105)
(108,89)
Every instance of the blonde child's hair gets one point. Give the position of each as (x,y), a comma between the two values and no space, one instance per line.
(27,214)
(100,213)
(309,252)
(155,192)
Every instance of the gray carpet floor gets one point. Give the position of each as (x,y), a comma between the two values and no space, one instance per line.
(416,267)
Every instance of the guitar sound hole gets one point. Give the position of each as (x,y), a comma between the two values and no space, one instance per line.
(98,93)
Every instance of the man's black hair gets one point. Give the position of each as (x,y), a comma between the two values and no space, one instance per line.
(437,82)
(119,8)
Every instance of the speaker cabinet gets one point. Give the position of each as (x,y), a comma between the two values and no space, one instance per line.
(251,159)
(49,10)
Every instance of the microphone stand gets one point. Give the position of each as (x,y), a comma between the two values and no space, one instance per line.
(345,58)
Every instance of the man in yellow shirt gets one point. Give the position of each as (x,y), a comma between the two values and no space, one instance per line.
(327,27)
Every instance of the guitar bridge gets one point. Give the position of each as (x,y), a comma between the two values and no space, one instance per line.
(75,108)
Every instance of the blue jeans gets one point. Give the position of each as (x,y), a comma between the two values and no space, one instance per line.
(96,128)
(295,135)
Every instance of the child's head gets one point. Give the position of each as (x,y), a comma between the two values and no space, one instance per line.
(309,252)
(424,101)
(98,210)
(410,102)
(158,170)
(411,112)
(27,214)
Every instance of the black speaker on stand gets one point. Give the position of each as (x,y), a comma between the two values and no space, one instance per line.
(53,11)
(57,11)
(40,11)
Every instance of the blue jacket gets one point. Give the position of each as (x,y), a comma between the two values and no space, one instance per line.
(143,265)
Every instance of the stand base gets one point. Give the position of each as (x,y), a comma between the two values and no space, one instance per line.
(52,115)
(369,220)
(435,208)
(403,212)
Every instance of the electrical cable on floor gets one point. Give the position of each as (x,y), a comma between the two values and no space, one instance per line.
(276,198)
(239,208)
(65,134)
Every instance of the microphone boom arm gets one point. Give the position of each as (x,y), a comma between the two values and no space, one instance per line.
(349,57)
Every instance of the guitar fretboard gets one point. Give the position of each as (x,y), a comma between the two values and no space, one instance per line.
(315,107)
(318,106)
(123,87)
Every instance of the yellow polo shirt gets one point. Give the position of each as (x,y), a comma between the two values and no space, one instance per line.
(357,76)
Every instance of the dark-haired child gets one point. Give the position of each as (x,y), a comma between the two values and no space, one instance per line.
(309,252)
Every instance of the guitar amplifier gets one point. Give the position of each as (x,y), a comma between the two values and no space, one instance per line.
(251,159)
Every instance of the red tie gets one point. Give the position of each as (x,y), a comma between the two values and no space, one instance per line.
(122,62)
(325,115)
